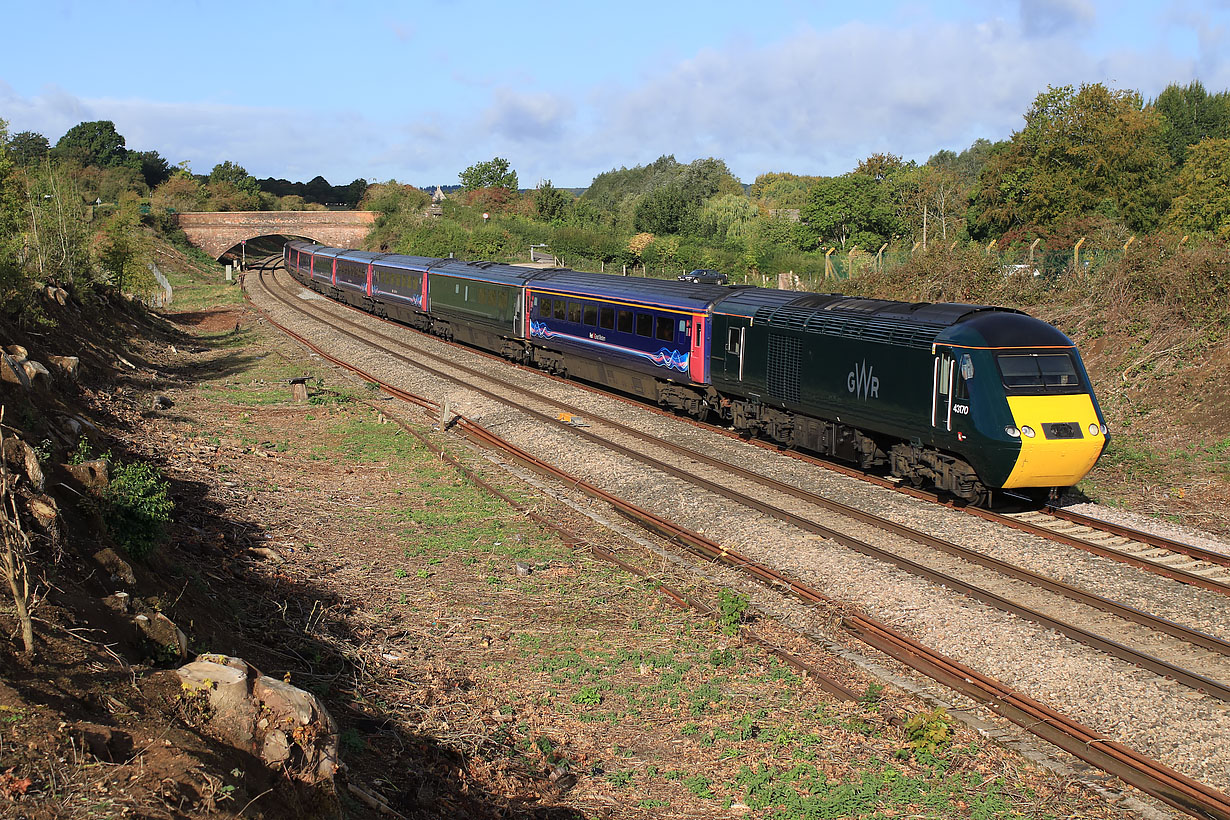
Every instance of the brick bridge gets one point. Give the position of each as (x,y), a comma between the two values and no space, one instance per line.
(218,232)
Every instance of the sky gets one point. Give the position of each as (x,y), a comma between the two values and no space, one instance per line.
(418,91)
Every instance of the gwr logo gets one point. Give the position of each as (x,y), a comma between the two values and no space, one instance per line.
(862,383)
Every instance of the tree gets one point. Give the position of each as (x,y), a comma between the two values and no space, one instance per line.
(154,167)
(494,173)
(1192,114)
(663,210)
(1092,151)
(120,250)
(28,148)
(550,203)
(235,174)
(182,192)
(92,143)
(10,220)
(1203,203)
(781,190)
(847,210)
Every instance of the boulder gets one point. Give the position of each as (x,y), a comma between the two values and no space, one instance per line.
(93,475)
(12,372)
(163,632)
(162,402)
(21,456)
(37,373)
(17,352)
(116,566)
(67,367)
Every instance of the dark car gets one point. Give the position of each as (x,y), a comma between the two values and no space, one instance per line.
(701,276)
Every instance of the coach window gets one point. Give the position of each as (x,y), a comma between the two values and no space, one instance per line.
(665,329)
(561,308)
(607,318)
(732,341)
(644,324)
(574,312)
(624,324)
(591,315)
(685,328)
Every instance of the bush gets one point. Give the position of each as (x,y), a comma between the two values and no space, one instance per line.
(137,507)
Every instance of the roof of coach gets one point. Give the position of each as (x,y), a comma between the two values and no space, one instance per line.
(669,293)
(401,261)
(907,324)
(494,272)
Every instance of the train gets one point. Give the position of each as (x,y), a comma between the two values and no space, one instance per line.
(966,399)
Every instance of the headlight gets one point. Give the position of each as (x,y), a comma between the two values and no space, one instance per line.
(1027,431)
(1102,428)
(1093,429)
(1012,431)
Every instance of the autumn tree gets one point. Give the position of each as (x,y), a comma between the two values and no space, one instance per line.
(1092,151)
(120,249)
(1203,202)
(495,173)
(782,190)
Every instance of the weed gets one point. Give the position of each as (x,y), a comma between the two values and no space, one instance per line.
(351,740)
(137,507)
(928,732)
(653,803)
(588,695)
(873,694)
(620,779)
(731,608)
(700,786)
(400,573)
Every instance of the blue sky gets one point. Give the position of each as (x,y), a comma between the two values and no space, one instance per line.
(417,91)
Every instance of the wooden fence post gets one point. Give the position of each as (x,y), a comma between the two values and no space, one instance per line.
(829,273)
(1033,245)
(1076,254)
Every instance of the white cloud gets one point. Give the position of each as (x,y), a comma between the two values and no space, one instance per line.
(1046,18)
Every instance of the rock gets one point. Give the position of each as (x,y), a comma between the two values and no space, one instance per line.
(92,475)
(17,352)
(37,373)
(60,295)
(21,456)
(163,632)
(12,372)
(161,402)
(117,602)
(66,366)
(118,568)
(523,568)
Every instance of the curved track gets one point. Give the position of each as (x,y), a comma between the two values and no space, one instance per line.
(1169,786)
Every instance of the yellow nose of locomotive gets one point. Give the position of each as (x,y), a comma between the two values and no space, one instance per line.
(1066,440)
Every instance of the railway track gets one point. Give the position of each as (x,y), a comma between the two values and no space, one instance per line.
(750,490)
(1153,778)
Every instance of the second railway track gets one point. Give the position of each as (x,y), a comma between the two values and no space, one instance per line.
(1208,644)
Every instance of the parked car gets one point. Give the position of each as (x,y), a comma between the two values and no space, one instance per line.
(703,276)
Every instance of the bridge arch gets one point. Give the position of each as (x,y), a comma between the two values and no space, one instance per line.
(217,232)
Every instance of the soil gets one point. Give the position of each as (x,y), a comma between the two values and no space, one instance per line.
(476,665)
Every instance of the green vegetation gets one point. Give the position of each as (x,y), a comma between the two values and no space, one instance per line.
(137,507)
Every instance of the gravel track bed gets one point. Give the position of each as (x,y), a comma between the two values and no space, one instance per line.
(1165,720)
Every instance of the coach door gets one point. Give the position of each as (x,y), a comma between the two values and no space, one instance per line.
(941,392)
(698,362)
(736,338)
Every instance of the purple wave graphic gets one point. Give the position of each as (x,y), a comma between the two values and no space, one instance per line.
(665,357)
